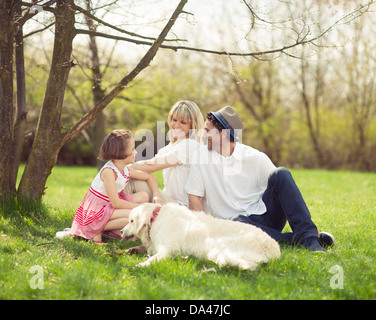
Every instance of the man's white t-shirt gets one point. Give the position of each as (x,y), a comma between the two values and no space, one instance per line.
(231,185)
(175,177)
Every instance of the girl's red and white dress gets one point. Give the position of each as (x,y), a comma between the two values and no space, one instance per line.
(95,209)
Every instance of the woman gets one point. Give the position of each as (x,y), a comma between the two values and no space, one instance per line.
(185,121)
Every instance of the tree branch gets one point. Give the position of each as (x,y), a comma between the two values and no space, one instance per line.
(144,62)
(39,30)
(299,41)
(133,34)
(176,48)
(29,15)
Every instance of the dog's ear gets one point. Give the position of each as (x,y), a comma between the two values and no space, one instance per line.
(144,215)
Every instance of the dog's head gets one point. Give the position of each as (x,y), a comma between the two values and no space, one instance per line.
(139,222)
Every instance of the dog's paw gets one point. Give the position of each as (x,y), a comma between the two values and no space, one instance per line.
(143,264)
(136,250)
(131,251)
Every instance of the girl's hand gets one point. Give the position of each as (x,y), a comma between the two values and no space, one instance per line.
(156,199)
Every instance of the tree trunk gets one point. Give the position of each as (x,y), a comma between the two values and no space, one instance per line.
(313,125)
(6,98)
(20,114)
(48,136)
(98,130)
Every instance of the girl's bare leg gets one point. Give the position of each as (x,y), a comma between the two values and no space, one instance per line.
(118,220)
(98,237)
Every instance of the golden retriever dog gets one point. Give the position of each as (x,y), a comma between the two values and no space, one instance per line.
(173,229)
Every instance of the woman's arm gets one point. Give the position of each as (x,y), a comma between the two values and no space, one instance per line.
(156,164)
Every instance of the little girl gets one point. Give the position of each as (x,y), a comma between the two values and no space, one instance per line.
(105,208)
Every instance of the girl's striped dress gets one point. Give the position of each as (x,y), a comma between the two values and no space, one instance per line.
(95,209)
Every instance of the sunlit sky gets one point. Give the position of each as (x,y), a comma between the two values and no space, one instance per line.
(222,25)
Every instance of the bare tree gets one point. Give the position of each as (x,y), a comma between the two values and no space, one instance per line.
(6,97)
(359,65)
(311,84)
(311,103)
(258,91)
(98,91)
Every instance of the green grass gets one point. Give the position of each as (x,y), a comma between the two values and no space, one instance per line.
(342,203)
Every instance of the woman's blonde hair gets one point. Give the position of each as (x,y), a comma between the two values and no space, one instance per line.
(189,112)
(115,145)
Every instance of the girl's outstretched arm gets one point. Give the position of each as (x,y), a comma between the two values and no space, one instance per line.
(150,179)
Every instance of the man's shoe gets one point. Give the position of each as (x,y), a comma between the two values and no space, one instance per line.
(326,239)
(313,244)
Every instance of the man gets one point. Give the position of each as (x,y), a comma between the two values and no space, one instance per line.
(234,181)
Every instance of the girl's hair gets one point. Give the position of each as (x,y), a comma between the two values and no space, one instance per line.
(115,145)
(189,112)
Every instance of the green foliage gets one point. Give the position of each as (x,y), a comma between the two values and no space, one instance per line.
(340,202)
(277,125)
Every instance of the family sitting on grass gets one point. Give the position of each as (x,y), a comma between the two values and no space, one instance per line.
(223,177)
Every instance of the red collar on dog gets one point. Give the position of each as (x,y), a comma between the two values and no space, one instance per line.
(155,214)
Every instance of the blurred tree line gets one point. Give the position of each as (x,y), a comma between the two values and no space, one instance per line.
(314,110)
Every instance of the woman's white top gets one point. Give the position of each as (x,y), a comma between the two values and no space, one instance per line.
(175,177)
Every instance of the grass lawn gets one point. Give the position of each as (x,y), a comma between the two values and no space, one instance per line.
(35,265)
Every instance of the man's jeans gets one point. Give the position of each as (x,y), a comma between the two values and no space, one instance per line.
(284,202)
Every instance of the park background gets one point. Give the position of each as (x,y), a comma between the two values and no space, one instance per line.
(309,104)
(312,107)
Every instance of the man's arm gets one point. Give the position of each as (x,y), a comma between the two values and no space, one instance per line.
(195,185)
(196,203)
